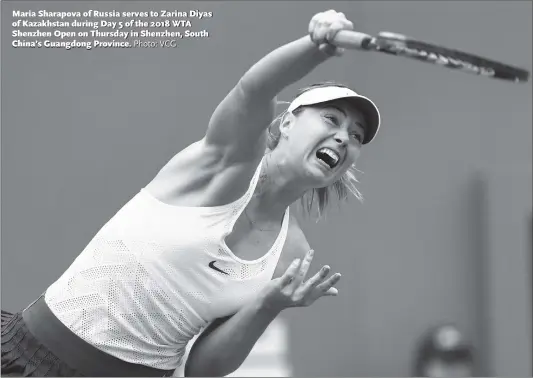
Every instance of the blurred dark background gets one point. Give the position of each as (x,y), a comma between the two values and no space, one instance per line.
(444,234)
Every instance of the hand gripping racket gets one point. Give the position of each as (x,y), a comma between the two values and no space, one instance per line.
(401,45)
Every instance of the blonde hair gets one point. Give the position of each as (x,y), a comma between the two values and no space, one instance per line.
(321,197)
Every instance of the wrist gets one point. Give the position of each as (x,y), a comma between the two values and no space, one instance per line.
(266,307)
(314,49)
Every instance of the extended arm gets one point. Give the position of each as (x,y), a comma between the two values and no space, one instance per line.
(239,121)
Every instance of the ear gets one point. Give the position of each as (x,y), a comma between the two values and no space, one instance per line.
(286,124)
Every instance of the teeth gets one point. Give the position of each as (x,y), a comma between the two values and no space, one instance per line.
(332,154)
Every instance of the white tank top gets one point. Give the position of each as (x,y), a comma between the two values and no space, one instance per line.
(155,275)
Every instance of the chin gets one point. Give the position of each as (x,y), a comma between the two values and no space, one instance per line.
(324,182)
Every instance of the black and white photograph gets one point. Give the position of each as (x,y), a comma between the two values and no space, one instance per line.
(266,188)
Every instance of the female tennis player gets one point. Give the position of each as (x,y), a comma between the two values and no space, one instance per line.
(208,244)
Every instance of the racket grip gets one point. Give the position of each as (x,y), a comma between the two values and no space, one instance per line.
(352,40)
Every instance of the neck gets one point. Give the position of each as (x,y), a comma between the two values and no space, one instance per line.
(276,190)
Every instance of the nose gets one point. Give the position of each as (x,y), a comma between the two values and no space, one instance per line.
(341,137)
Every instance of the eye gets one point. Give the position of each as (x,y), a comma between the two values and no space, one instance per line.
(332,118)
(357,136)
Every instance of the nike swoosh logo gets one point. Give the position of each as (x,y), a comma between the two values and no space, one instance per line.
(212,266)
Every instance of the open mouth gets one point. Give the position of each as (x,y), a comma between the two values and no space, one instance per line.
(328,156)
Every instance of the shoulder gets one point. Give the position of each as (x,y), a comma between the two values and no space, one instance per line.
(203,175)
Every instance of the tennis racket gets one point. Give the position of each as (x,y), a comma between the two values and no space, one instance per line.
(401,45)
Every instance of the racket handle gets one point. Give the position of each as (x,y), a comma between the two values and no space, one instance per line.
(352,40)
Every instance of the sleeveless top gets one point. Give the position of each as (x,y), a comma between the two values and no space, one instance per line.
(156,274)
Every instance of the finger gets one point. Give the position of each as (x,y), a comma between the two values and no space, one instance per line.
(331,292)
(315,280)
(312,26)
(339,51)
(347,24)
(318,16)
(328,49)
(304,267)
(289,274)
(329,283)
(331,16)
(341,17)
(333,29)
(319,33)
(313,22)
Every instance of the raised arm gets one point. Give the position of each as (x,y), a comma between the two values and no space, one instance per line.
(238,123)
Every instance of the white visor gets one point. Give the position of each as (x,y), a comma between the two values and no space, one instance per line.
(324,94)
